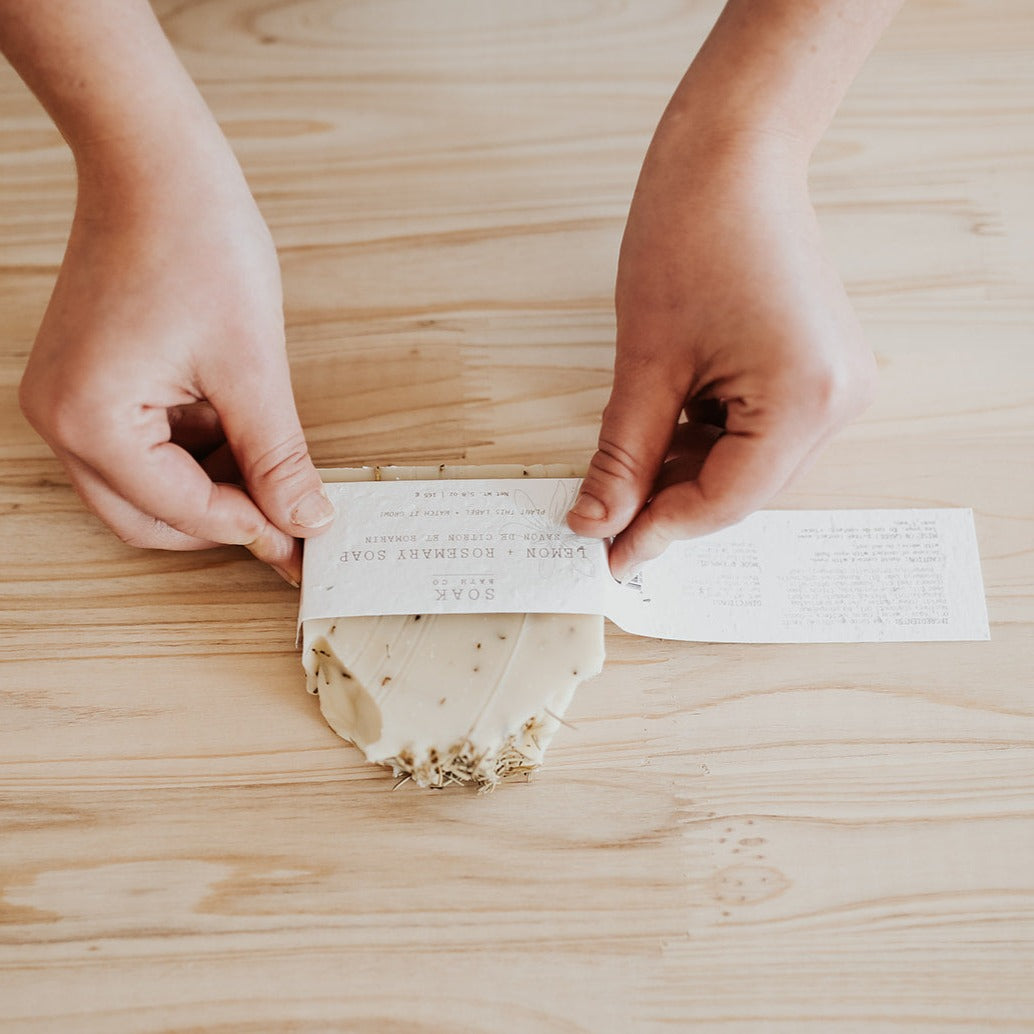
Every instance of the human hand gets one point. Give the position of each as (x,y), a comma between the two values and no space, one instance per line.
(729,313)
(159,375)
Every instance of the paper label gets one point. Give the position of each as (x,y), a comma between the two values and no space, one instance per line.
(780,576)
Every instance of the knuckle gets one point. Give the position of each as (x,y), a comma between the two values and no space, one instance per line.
(145,533)
(834,392)
(254,527)
(287,462)
(53,410)
(247,527)
(822,386)
(648,537)
(212,515)
(67,421)
(616,461)
(29,400)
(272,547)
(66,413)
(665,518)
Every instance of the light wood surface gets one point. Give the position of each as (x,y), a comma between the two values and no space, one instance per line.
(736,838)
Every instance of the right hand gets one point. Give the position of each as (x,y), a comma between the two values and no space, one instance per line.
(159,375)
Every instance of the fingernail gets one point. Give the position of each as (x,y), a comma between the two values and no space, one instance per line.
(314,511)
(589,507)
(625,573)
(286,577)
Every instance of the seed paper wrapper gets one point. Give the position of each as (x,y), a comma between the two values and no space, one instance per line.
(780,576)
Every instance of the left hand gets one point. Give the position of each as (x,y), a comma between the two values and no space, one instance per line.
(730,313)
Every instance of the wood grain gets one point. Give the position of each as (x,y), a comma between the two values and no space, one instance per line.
(778,839)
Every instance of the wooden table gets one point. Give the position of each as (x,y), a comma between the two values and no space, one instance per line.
(744,838)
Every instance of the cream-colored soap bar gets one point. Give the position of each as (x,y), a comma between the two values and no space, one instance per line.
(450,698)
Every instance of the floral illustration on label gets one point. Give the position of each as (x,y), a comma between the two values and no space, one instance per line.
(543,535)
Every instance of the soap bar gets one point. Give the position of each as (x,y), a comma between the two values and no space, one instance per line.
(450,698)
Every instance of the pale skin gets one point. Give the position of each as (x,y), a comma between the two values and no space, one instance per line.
(164,336)
(159,375)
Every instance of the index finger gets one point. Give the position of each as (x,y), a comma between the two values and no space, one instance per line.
(133,453)
(743,470)
(137,528)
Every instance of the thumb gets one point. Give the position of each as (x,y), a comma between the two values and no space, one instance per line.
(262,428)
(637,428)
